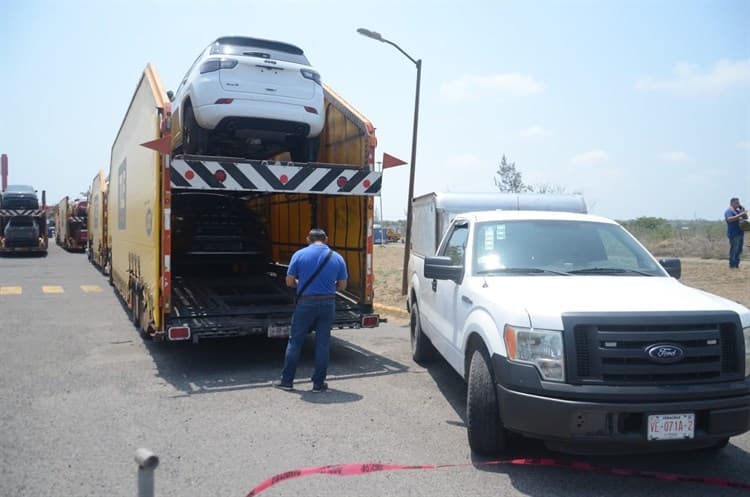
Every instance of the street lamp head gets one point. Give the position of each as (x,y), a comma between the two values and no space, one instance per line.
(370,34)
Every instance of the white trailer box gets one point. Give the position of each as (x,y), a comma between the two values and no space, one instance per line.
(433,212)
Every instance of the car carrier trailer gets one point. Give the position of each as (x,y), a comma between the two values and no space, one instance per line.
(199,245)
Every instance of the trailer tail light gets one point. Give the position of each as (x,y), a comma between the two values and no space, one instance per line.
(370,321)
(179,333)
(220,175)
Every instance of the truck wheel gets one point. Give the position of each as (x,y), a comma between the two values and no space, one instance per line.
(718,445)
(486,432)
(422,349)
(194,138)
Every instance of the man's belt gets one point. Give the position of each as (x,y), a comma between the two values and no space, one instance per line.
(317,297)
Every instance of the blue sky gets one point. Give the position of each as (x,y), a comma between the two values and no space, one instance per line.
(642,106)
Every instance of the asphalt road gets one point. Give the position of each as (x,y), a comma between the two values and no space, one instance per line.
(80,392)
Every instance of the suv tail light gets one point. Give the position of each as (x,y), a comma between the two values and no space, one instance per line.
(212,65)
(309,74)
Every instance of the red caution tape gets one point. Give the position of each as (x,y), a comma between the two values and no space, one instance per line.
(361,469)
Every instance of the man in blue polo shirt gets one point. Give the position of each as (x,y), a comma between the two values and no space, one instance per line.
(317,272)
(736,237)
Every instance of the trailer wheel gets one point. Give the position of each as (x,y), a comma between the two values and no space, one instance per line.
(485,430)
(143,319)
(193,136)
(135,313)
(422,349)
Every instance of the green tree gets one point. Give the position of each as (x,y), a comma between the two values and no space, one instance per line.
(650,229)
(508,179)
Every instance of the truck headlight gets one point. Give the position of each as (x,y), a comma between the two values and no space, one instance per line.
(746,332)
(542,348)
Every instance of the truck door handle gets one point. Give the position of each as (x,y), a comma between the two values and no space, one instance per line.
(434,285)
(466,299)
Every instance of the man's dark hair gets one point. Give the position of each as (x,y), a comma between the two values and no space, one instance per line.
(317,235)
(734,199)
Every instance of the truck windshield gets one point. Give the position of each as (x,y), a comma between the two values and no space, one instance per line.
(555,246)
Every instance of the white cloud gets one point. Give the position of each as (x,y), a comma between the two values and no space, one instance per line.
(689,81)
(534,132)
(676,157)
(590,158)
(473,87)
(744,145)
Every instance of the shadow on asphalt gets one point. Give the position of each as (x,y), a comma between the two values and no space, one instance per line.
(730,463)
(255,362)
(23,255)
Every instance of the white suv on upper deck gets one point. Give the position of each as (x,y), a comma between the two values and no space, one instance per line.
(249,97)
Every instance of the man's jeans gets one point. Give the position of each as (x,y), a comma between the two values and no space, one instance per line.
(310,314)
(735,249)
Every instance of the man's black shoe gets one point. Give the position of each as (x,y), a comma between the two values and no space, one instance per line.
(283,386)
(320,388)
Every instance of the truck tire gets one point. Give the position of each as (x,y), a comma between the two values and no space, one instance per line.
(194,139)
(422,349)
(485,430)
(718,446)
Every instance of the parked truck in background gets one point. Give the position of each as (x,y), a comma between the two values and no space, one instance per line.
(98,246)
(199,245)
(567,330)
(23,222)
(71,227)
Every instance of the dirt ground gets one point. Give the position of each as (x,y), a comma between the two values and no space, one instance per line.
(711,275)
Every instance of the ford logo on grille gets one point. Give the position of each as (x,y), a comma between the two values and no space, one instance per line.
(665,353)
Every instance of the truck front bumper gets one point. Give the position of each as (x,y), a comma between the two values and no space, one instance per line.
(622,424)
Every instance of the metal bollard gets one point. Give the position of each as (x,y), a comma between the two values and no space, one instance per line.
(147,462)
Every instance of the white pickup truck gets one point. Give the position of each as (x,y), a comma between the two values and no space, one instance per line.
(567,329)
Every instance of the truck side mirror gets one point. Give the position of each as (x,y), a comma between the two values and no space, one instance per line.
(442,268)
(672,266)
(170,95)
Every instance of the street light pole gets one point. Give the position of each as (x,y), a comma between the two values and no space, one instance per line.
(412,167)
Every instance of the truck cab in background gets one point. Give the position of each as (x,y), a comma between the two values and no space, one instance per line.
(22,220)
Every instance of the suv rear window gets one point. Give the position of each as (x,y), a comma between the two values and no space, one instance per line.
(20,189)
(265,49)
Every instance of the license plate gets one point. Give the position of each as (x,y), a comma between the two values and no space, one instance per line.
(279,331)
(671,426)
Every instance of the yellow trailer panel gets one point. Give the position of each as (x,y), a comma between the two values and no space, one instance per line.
(134,200)
(97,205)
